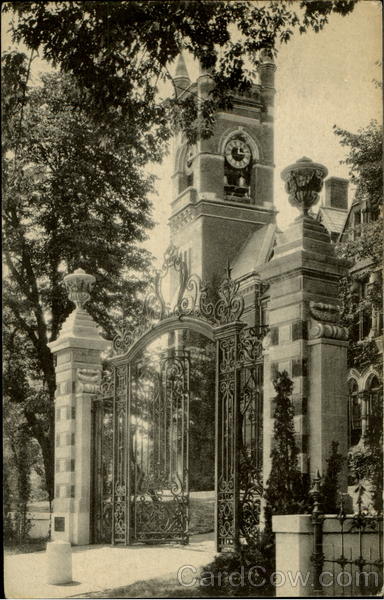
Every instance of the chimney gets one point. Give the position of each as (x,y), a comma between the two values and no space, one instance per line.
(336,193)
(267,69)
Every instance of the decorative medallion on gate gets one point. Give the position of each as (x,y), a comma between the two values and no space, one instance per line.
(190,298)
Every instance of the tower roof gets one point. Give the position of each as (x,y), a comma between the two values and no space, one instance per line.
(181,69)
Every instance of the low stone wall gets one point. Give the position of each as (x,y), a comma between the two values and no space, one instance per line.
(39,524)
(294,548)
(39,519)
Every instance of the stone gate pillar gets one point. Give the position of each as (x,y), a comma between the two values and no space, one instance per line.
(304,338)
(78,371)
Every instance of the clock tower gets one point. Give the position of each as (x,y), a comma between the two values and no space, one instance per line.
(223,185)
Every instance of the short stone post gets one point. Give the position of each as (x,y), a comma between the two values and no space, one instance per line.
(304,337)
(78,372)
(294,549)
(59,562)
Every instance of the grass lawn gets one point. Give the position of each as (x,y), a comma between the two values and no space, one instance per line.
(201,515)
(160,587)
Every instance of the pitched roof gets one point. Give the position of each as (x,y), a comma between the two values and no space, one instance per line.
(255,251)
(333,219)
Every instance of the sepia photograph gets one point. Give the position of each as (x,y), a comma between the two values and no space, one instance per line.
(192,298)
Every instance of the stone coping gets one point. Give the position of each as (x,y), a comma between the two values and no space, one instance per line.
(303,524)
(90,343)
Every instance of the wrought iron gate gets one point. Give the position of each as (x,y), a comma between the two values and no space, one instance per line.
(102,465)
(238,436)
(144,498)
(158,441)
(140,477)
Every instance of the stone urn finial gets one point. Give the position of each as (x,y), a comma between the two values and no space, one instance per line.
(303,182)
(79,286)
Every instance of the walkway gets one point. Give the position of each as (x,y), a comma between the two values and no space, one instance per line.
(98,568)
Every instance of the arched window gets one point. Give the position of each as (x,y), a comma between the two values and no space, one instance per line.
(188,164)
(356,223)
(375,409)
(354,415)
(365,316)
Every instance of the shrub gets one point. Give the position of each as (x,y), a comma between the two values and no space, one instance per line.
(287,488)
(246,573)
(330,485)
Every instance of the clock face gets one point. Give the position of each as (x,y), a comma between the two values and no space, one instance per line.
(189,156)
(238,154)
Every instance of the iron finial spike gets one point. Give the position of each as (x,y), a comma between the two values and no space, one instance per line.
(228,269)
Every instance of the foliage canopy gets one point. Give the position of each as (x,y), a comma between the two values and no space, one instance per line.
(120,52)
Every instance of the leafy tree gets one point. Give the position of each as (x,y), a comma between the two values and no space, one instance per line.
(365,160)
(285,490)
(366,248)
(71,198)
(120,52)
(8,524)
(19,461)
(366,460)
(364,253)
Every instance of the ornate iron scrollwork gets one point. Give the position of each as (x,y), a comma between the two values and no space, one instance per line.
(102,452)
(250,456)
(251,344)
(150,488)
(159,449)
(120,489)
(192,300)
(230,305)
(239,415)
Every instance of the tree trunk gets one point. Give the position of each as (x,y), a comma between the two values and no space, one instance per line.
(44,433)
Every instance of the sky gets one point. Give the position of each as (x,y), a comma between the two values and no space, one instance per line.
(322,79)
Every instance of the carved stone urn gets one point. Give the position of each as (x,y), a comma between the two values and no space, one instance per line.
(79,286)
(303,182)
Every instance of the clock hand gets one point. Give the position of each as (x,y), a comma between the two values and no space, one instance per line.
(238,154)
